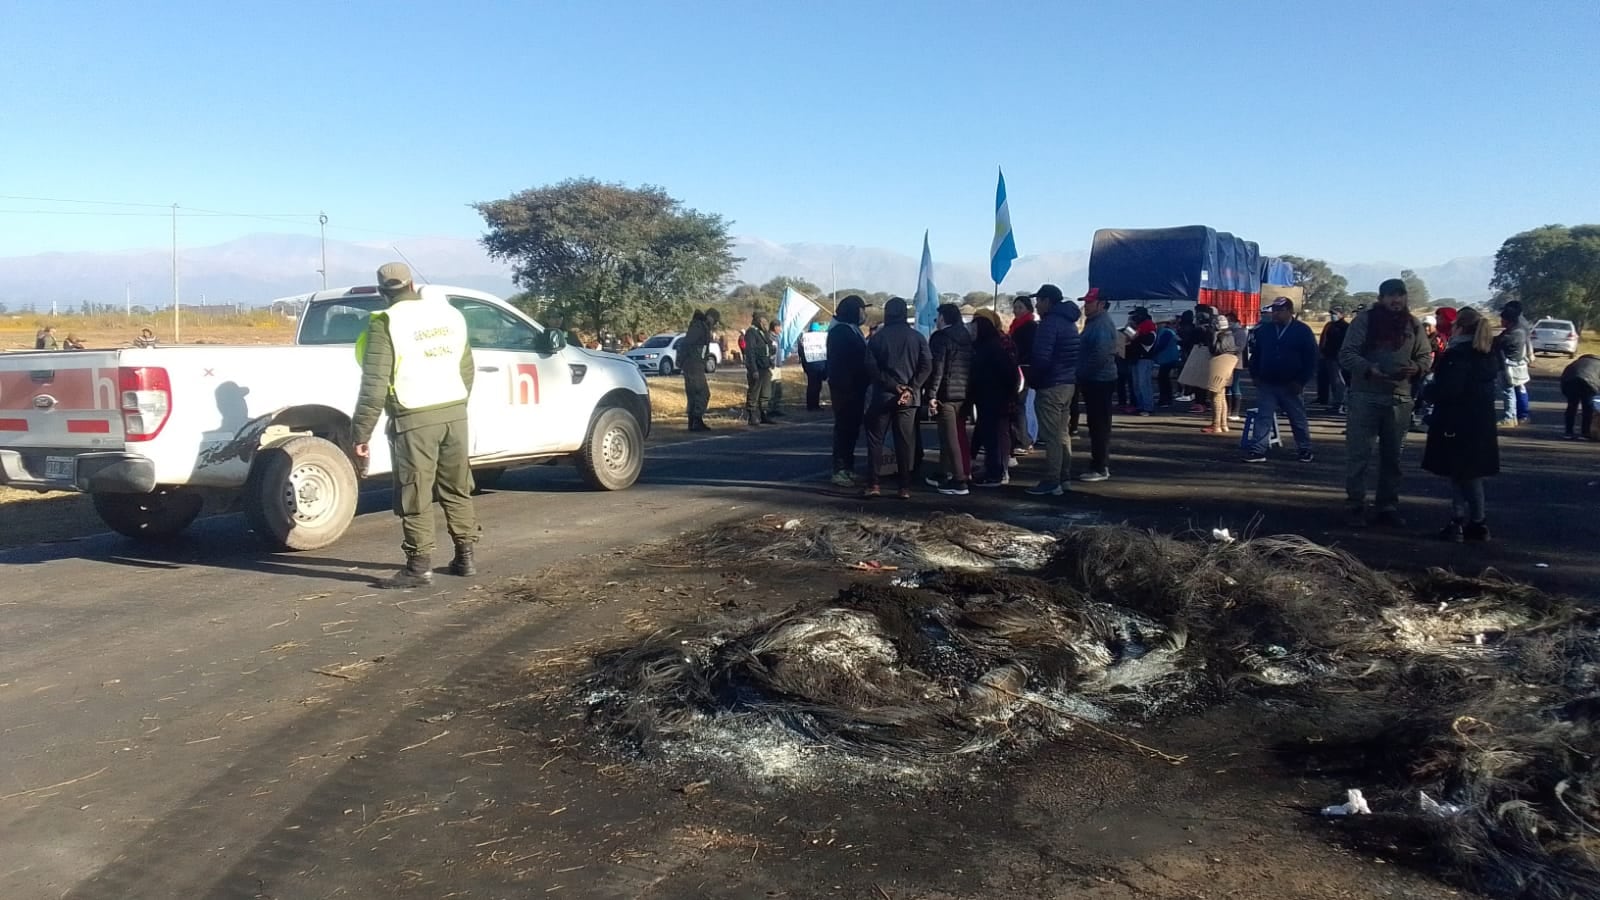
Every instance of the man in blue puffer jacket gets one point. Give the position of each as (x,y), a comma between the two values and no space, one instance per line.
(1283,360)
(1053,377)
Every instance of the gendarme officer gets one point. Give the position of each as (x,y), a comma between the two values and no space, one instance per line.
(416,365)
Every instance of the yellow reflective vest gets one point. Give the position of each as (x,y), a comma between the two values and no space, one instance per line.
(429,339)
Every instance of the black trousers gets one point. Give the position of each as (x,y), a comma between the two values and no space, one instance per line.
(1164,378)
(814,381)
(882,417)
(992,435)
(1124,381)
(1579,396)
(1097,396)
(849,408)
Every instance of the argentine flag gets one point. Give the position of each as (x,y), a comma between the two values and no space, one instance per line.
(795,312)
(1004,248)
(927,301)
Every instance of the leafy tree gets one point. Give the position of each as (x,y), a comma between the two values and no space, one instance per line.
(1442,302)
(1323,288)
(1416,289)
(1554,271)
(619,257)
(1363,298)
(978,298)
(775,287)
(530,303)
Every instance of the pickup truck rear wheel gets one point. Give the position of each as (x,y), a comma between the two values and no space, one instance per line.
(301,494)
(155,516)
(613,453)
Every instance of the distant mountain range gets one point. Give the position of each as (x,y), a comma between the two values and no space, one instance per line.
(257,269)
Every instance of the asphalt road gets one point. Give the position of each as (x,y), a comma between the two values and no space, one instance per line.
(163,714)
(132,682)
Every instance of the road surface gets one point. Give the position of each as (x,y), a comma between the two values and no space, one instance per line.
(132,683)
(166,718)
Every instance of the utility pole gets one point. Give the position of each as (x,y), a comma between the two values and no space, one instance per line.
(175,322)
(322,226)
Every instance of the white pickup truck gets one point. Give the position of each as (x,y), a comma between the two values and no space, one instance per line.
(150,433)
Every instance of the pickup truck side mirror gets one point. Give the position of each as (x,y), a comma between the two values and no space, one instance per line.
(550,340)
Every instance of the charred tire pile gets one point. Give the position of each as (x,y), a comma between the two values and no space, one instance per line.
(1469,706)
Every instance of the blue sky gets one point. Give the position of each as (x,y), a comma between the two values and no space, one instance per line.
(1403,131)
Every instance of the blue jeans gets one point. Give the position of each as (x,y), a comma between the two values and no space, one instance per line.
(1508,399)
(1144,388)
(1274,398)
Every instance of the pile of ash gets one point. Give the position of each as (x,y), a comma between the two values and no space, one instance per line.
(1469,706)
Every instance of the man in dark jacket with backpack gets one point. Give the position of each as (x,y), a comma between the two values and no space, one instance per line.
(1283,360)
(848,382)
(946,398)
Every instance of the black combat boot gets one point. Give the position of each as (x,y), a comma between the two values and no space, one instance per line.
(463,565)
(418,572)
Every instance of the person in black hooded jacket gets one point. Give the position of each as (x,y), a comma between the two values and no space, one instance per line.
(848,382)
(898,365)
(946,397)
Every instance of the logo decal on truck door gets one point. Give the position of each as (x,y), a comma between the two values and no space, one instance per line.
(525,385)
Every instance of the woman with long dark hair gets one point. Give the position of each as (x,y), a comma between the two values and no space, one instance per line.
(994,388)
(1462,442)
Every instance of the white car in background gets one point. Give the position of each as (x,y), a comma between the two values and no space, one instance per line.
(659,355)
(1555,336)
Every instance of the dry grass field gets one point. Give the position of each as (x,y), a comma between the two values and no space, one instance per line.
(114,331)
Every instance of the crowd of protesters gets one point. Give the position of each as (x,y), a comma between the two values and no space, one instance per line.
(997,391)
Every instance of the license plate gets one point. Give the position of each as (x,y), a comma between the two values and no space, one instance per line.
(60,468)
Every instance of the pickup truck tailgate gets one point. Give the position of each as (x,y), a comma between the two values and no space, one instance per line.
(62,421)
(65,400)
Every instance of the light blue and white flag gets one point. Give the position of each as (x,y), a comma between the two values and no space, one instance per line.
(1004,248)
(795,312)
(927,298)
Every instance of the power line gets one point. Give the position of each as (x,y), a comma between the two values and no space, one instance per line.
(299,219)
(165,206)
(192,214)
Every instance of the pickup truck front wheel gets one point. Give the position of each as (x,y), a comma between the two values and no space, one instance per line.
(158,515)
(613,454)
(301,494)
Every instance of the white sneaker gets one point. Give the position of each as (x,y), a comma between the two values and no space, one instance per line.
(1096,476)
(1011,463)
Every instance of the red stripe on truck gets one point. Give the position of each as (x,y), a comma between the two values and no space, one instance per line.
(13,424)
(88,426)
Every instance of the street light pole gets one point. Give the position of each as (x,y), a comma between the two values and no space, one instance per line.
(322,226)
(176,327)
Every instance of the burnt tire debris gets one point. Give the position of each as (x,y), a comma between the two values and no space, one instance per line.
(1468,707)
